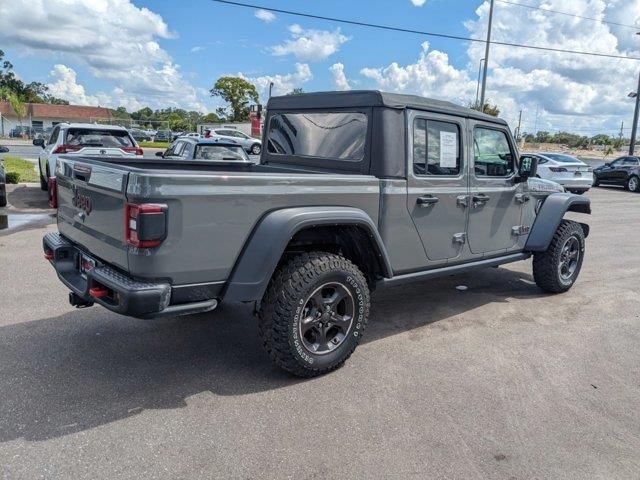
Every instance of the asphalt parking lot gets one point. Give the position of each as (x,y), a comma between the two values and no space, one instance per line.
(498,381)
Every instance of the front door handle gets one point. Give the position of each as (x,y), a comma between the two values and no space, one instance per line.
(427,201)
(480,199)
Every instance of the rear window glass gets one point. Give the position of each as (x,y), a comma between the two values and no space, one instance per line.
(558,157)
(337,136)
(98,138)
(220,153)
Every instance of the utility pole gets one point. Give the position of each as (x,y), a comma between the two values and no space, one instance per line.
(621,133)
(519,127)
(634,128)
(486,58)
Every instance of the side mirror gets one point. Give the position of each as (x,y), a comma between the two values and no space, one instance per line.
(160,154)
(528,168)
(607,164)
(38,142)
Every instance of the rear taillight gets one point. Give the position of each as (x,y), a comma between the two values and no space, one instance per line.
(136,150)
(145,224)
(67,148)
(558,169)
(53,192)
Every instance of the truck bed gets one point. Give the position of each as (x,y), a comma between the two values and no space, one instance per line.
(212,209)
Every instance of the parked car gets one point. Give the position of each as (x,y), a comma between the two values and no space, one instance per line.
(355,190)
(140,135)
(570,172)
(3,182)
(21,131)
(622,171)
(214,150)
(163,136)
(86,139)
(250,144)
(192,135)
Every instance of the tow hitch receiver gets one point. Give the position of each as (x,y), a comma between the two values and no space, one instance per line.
(78,301)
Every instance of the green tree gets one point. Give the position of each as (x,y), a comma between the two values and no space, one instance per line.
(489,109)
(14,100)
(296,91)
(211,118)
(238,93)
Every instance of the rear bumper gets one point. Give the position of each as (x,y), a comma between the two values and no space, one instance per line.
(580,183)
(114,290)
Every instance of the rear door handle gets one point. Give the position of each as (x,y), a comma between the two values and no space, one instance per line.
(480,199)
(427,201)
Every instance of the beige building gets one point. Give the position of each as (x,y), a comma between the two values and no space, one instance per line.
(41,116)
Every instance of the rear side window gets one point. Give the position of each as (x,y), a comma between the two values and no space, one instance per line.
(95,137)
(436,148)
(492,153)
(335,136)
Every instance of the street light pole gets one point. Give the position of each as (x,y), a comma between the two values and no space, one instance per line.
(634,128)
(478,84)
(270,87)
(486,58)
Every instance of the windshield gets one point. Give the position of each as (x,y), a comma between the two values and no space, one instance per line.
(221,153)
(558,157)
(98,138)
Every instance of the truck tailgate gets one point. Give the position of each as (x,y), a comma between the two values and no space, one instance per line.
(91,206)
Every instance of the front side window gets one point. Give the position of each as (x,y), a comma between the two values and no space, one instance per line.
(631,161)
(436,148)
(335,135)
(492,153)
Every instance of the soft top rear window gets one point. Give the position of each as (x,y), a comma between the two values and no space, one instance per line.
(333,135)
(99,138)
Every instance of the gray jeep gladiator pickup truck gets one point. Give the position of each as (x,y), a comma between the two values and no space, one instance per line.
(355,190)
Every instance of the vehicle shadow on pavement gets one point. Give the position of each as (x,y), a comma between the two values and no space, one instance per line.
(90,367)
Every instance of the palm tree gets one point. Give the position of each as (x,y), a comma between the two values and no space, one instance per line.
(17,105)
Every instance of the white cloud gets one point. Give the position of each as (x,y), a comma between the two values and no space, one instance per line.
(197,49)
(115,39)
(568,91)
(310,45)
(339,78)
(430,76)
(282,84)
(65,86)
(418,3)
(265,15)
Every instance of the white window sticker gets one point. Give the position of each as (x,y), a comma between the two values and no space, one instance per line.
(448,149)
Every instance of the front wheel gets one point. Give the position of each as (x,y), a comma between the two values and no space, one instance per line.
(256,148)
(633,185)
(557,269)
(596,182)
(314,313)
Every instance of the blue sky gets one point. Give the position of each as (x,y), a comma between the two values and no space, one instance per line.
(168,53)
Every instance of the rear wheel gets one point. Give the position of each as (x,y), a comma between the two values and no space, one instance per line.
(557,269)
(44,186)
(314,313)
(633,185)
(3,195)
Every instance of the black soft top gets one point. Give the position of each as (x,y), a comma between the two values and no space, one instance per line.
(373,98)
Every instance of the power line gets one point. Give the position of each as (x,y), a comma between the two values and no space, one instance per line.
(419,32)
(532,7)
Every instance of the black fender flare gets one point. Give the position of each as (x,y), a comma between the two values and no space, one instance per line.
(550,215)
(262,251)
